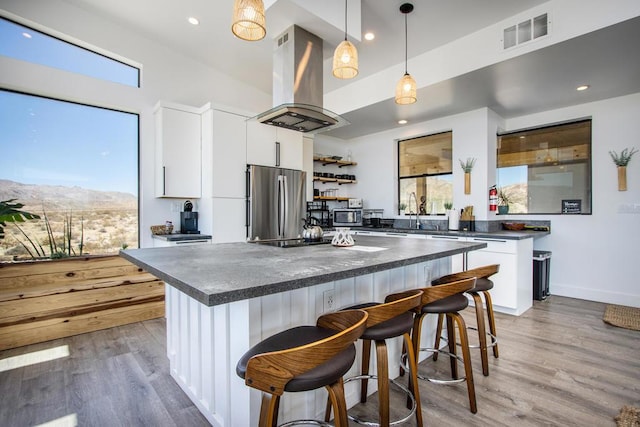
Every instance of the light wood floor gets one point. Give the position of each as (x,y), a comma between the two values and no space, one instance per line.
(559,365)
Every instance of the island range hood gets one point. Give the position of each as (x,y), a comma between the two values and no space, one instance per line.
(297,85)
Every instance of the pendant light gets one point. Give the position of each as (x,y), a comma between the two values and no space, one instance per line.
(345,58)
(248,20)
(406,89)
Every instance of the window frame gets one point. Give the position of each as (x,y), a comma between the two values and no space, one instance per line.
(137,151)
(588,161)
(48,32)
(427,175)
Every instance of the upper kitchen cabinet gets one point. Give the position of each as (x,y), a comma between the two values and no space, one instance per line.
(225,152)
(272,146)
(178,151)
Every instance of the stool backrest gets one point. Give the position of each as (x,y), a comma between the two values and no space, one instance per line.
(446,289)
(394,305)
(479,272)
(270,372)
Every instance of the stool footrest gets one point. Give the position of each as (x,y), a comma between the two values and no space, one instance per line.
(360,421)
(403,365)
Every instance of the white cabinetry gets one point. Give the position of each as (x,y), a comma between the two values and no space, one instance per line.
(178,151)
(512,291)
(224,166)
(271,146)
(229,154)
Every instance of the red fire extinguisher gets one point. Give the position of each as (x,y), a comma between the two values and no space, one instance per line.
(493,198)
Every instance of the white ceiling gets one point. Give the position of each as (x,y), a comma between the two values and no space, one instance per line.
(607,59)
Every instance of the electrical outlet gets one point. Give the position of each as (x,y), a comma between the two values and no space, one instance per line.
(329,301)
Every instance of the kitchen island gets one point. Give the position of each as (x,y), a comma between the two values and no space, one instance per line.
(221,299)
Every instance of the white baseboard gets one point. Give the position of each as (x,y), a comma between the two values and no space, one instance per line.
(599,295)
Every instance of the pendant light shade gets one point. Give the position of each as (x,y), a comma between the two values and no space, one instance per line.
(406,89)
(345,61)
(248,20)
(345,57)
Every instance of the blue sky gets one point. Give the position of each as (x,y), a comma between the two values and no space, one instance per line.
(17,41)
(45,141)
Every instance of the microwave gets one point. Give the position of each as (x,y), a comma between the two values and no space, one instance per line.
(347,217)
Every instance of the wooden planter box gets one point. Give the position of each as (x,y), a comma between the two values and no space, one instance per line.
(45,300)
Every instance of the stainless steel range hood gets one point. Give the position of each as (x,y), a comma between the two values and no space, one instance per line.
(297,85)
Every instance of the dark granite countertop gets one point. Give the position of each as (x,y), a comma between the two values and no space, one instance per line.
(178,237)
(504,234)
(222,273)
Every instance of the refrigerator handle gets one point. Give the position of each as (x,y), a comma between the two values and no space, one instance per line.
(247,215)
(285,204)
(280,205)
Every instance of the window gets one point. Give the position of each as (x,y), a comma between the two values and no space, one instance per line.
(27,44)
(547,170)
(424,168)
(74,165)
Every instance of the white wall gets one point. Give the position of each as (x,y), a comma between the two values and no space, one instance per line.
(593,255)
(166,75)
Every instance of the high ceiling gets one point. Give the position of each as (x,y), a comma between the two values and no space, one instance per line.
(607,59)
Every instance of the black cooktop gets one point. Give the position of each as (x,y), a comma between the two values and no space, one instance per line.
(292,243)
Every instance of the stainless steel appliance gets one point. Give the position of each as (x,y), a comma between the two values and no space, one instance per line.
(189,219)
(347,217)
(276,203)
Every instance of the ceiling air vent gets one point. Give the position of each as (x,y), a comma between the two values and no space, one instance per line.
(525,31)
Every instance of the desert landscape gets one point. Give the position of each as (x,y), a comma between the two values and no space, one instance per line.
(81,221)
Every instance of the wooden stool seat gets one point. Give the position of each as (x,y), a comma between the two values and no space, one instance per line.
(482,287)
(393,318)
(446,299)
(304,358)
(326,373)
(451,303)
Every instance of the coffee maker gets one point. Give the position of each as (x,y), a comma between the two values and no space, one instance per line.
(189,219)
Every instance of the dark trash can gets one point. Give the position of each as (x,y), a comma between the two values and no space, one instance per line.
(541,267)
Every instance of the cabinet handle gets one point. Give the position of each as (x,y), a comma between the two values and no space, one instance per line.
(445,237)
(277,153)
(164,180)
(181,242)
(477,239)
(396,234)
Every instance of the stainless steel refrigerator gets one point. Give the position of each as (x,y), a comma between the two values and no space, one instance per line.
(276,202)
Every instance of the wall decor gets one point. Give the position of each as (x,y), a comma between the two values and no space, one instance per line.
(467,166)
(622,160)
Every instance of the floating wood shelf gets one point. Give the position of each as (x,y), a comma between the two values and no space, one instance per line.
(329,161)
(339,199)
(339,181)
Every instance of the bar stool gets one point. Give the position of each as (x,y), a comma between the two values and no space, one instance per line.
(391,319)
(483,285)
(302,359)
(448,299)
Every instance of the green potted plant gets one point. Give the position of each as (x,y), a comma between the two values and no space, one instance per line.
(503,202)
(402,207)
(622,160)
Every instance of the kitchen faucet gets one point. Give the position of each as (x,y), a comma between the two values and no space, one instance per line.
(413,194)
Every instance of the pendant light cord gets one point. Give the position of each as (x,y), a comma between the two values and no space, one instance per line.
(405,44)
(345,20)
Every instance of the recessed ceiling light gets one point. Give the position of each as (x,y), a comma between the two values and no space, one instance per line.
(193,20)
(402,122)
(583,87)
(26,35)
(369,36)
